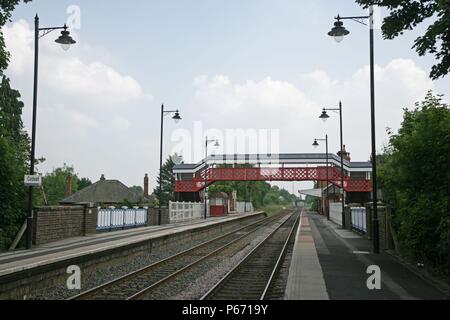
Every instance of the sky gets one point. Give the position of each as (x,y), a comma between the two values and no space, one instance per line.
(262,67)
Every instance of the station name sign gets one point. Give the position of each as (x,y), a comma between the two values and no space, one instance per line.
(33,181)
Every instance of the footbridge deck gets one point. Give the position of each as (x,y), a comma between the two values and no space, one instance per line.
(283,167)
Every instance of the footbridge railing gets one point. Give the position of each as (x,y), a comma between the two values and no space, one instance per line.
(271,174)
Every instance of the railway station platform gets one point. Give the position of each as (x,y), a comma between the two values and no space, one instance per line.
(329,263)
(21,260)
(57,256)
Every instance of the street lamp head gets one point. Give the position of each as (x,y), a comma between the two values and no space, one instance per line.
(177,117)
(65,40)
(324,116)
(315,144)
(338,31)
(217,144)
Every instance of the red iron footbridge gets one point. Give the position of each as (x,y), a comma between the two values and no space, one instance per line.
(194,178)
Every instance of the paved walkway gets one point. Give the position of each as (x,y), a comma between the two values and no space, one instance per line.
(335,267)
(70,248)
(306,281)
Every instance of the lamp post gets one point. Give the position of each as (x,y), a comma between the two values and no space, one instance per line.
(207,142)
(316,145)
(65,40)
(339,32)
(176,118)
(324,116)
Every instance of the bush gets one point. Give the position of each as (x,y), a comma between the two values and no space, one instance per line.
(415,177)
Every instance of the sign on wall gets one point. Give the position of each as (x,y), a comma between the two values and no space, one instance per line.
(33,181)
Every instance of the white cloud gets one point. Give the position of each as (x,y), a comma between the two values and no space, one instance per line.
(121,124)
(219,95)
(89,113)
(84,106)
(83,120)
(69,76)
(95,80)
(294,107)
(19,40)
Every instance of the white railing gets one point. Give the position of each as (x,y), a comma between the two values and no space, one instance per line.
(336,213)
(186,211)
(116,218)
(244,207)
(359,219)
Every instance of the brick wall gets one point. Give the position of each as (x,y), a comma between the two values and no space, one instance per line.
(91,215)
(63,222)
(153,216)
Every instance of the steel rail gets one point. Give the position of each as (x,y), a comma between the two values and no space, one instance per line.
(246,258)
(280,260)
(147,290)
(92,292)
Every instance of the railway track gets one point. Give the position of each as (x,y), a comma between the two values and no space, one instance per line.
(137,284)
(255,277)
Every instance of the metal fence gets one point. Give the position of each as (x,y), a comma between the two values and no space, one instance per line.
(116,219)
(359,219)
(186,211)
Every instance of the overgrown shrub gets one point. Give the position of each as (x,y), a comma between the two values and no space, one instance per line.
(415,177)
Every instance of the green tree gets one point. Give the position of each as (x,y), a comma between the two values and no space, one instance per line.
(168,182)
(406,15)
(139,192)
(14,145)
(415,178)
(14,154)
(260,193)
(312,203)
(54,184)
(84,183)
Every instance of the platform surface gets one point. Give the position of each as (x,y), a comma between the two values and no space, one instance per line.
(331,263)
(305,281)
(12,262)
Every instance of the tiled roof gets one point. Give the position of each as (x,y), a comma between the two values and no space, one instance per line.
(103,191)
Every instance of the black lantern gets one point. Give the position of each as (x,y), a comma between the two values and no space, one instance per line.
(65,40)
(339,31)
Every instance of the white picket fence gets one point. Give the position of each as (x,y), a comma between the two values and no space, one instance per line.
(336,213)
(121,218)
(359,219)
(186,211)
(243,207)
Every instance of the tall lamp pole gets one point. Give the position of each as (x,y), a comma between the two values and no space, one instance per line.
(176,118)
(316,145)
(65,40)
(339,32)
(324,116)
(207,142)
